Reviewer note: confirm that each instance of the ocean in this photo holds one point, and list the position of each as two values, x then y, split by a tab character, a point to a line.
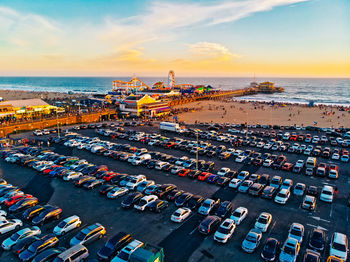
297	90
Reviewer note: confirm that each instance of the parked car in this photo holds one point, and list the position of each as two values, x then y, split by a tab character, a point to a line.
88	234
180	214
113	246
290	250
225	231
270	250
67	225
251	240
9	242
209	225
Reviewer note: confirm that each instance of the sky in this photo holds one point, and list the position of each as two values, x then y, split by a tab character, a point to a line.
278	38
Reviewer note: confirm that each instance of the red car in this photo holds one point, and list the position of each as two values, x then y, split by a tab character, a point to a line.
51	168
203	176
169	145
109	176
293	138
184	172
333	167
133	149
13	200
287	166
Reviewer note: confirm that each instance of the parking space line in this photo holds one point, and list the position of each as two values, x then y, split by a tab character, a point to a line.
331	211
194	230
319	227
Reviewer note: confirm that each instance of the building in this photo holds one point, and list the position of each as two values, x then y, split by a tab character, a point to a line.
25	107
138	105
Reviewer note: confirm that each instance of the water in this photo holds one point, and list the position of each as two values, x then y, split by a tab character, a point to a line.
297	90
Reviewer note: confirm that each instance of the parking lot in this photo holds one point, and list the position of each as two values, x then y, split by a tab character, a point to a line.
183	242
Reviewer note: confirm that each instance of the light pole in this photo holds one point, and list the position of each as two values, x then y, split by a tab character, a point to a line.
246	135
197	151
58	128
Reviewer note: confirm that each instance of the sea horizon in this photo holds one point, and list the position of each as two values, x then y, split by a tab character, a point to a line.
329	91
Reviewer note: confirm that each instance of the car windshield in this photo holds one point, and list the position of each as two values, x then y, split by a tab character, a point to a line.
295	232
143	202
177	214
251	238
61	224
206	205
281	195
262	220
339	247
327	193
236	214
80	236
32	248
110	245
289	250
123	255
223	230
15	236
269	247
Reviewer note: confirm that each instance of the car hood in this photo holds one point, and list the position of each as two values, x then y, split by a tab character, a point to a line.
337	253
105	252
7	242
284	257
248	244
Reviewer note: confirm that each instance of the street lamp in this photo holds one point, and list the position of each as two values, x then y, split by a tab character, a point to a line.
197	151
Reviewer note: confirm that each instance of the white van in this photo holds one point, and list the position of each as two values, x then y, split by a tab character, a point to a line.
138	159
311	162
327	194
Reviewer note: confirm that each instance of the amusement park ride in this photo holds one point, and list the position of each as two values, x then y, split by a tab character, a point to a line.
136	84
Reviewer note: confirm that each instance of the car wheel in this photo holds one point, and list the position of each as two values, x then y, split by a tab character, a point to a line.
63	233
100	236
17	227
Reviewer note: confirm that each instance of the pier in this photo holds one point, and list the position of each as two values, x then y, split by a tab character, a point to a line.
214	95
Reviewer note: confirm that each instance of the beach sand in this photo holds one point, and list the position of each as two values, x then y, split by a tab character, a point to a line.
238	112
19	94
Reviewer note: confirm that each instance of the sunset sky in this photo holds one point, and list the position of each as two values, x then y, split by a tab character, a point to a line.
291	38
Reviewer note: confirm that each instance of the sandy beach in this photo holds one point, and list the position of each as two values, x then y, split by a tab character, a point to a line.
47	96
254	113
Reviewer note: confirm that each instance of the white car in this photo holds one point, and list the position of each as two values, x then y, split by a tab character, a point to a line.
67	225
38	132
327	194
180	214
160	165
239	215
234	183
240	158
9	225
335	156
9	242
282	196
117	192
71	175
223	171
267	163
296	231
146	200
339	246
225	231
263	221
